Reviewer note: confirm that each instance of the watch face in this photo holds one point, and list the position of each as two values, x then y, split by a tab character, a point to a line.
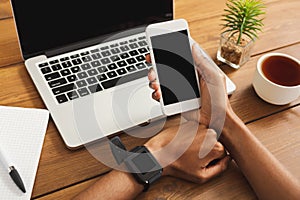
143	165
143	162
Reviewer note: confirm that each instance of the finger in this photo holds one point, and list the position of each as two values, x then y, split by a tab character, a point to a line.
216	169
205	151
156	95
148	58
218	152
151	75
204	63
154	85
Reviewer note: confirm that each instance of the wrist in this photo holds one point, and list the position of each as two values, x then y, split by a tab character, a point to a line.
154	150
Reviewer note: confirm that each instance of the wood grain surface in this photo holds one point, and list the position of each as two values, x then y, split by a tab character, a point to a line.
62	173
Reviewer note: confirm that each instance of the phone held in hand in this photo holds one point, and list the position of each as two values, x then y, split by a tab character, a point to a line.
173	63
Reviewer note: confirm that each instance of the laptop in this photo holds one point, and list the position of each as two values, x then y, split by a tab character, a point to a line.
86	60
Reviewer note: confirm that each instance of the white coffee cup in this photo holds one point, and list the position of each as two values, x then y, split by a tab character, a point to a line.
271	92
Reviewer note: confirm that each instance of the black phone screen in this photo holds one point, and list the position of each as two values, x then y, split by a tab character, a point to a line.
175	67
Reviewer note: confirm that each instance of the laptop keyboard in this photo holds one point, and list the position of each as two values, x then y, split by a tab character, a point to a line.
94	70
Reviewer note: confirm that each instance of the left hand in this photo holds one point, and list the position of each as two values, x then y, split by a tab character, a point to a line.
181	152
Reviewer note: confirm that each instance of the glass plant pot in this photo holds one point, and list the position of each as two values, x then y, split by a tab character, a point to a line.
235	55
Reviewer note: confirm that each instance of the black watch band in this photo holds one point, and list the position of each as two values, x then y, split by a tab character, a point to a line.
139	161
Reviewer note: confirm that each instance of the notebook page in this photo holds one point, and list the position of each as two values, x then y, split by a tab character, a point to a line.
22	133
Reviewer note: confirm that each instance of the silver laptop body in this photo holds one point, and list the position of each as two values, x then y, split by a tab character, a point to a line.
68	46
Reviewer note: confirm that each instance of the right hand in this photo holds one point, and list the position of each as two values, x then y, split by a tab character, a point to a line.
213	91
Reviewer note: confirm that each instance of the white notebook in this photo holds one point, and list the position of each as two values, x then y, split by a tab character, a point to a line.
22	133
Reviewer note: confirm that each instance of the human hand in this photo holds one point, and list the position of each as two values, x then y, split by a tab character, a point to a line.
178	150
214	99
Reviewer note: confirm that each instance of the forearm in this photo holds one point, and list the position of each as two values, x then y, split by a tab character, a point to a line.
268	178
115	185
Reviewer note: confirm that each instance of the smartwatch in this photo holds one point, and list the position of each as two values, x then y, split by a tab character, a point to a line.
139	161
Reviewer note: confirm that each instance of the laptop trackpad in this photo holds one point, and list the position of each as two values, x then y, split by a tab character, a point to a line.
126	107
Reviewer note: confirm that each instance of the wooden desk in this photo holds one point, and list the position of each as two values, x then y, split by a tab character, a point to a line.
63	173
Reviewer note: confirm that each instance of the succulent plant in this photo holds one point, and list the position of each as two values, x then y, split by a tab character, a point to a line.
243	17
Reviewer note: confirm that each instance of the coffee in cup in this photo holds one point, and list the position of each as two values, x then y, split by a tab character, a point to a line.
277	78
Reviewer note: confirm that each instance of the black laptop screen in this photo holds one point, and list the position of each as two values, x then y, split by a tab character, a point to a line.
48	24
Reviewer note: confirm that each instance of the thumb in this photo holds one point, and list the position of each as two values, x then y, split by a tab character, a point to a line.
218	168
208	143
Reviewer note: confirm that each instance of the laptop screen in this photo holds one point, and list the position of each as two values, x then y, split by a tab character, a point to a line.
44	25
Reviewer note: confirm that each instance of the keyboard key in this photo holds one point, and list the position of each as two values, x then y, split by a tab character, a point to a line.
105	53
81	83
46	70
133	40
112	66
114	45
52	76
63	89
102	69
85	53
124	48
86	66
91	80
143	50
111	74
56	67
92	72
96	63
82	75
95	50
72	78
124	55
101	77
140	58
86	59
76	61
124	79
75	69
133	46
96	56
75	56
134	53
131	61
95	88
115	58
105	61
65	72
72	95
131	68
53	62
57	82
104	48
66	64
115	51
124	42
64	59
121	63
142	38
121	71
83	92
61	98
141	66
43	64
142	43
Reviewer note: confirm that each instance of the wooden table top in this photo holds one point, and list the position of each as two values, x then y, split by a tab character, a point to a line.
63	173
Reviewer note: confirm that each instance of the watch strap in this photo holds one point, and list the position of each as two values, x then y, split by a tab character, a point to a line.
118	149
156	175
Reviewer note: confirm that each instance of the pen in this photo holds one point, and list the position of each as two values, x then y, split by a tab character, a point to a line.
12	170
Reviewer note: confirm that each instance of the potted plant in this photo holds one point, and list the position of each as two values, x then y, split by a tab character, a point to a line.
242	21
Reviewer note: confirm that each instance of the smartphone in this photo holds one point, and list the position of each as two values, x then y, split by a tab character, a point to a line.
171	56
